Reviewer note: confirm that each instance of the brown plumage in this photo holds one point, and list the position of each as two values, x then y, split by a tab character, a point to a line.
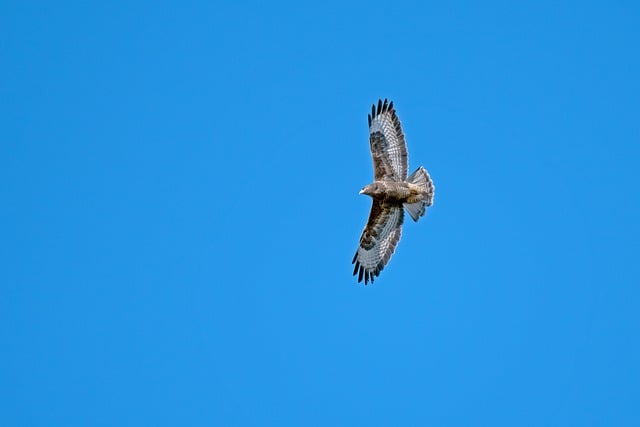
392	192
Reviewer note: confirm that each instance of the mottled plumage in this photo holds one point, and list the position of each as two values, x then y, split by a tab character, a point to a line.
392	192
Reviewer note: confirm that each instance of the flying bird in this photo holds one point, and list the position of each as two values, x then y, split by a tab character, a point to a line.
392	192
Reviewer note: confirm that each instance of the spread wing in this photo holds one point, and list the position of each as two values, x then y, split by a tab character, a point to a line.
388	148
378	241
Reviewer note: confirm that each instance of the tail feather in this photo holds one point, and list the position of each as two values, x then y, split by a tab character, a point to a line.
420	177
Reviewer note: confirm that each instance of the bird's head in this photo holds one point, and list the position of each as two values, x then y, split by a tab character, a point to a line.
370	189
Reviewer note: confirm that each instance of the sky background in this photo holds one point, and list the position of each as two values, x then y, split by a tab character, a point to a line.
179	210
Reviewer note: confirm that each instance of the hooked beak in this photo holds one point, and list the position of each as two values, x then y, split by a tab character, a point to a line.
361	191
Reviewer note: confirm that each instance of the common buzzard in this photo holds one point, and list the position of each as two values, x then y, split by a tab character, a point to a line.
391	190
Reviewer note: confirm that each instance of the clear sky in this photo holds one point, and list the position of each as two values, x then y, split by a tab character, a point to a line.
179	210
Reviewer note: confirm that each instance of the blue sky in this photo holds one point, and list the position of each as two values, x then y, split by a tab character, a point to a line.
180	208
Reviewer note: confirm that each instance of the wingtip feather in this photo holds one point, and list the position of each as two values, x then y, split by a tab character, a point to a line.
381	107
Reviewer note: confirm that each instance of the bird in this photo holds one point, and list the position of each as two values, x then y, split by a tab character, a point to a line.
392	193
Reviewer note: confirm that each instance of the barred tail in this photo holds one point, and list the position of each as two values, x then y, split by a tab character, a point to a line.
421	177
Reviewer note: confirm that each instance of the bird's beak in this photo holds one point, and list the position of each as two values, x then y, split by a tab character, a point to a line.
361	191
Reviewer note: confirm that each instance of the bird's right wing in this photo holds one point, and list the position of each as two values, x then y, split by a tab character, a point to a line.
388	147
378	241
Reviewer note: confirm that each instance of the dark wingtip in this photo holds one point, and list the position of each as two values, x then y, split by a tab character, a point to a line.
381	108
360	274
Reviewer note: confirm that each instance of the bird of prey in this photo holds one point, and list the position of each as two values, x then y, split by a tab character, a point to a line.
391	191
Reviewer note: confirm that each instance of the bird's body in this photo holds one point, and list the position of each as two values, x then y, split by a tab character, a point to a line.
397	192
392	192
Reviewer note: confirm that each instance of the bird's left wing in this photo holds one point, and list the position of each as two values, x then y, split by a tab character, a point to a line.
378	241
388	147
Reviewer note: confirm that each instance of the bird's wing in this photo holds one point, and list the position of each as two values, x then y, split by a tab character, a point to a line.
378	241
388	148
